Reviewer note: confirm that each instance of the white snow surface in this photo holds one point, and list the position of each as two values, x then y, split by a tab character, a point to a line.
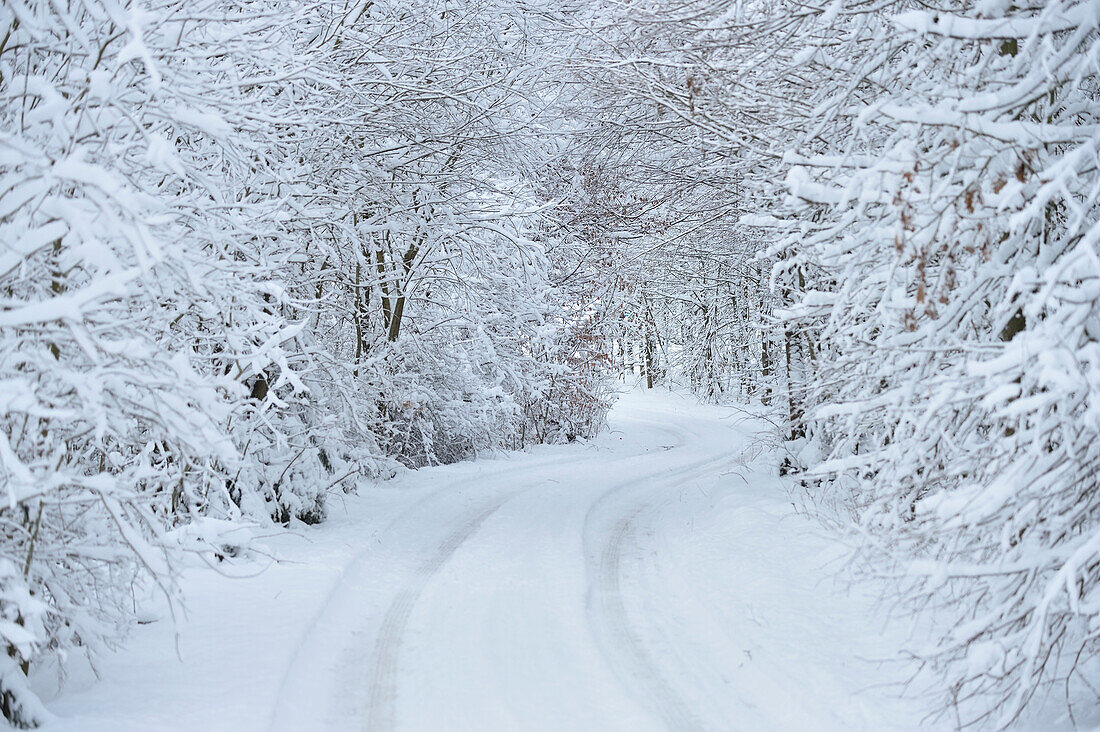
657	577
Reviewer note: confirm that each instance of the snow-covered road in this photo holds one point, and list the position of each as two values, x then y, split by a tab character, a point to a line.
656	578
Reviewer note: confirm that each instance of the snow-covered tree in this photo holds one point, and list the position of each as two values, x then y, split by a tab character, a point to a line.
956	227
125	245
251	251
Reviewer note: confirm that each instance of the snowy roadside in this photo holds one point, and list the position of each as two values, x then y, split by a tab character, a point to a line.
235	638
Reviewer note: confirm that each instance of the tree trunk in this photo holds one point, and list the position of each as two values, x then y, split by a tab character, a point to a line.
648	361
399	304
796	412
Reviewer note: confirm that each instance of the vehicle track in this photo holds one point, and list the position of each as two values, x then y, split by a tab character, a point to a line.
381	707
383	672
627	653
383	683
356	566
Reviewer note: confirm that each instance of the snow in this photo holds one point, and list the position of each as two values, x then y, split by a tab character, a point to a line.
657	576
1053	20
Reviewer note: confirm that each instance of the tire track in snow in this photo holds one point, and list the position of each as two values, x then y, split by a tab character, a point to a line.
383	685
352	572
629	656
315	646
381	708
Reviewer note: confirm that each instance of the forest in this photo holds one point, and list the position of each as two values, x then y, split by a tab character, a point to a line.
257	253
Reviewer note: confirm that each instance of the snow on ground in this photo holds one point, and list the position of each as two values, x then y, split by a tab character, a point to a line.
657	577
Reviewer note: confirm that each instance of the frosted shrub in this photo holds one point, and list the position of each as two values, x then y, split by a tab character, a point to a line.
957	390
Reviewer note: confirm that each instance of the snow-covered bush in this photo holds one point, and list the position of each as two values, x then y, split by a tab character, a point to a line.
111	414
955	229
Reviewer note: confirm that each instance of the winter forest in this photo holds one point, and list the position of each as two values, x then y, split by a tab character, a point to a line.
260	256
